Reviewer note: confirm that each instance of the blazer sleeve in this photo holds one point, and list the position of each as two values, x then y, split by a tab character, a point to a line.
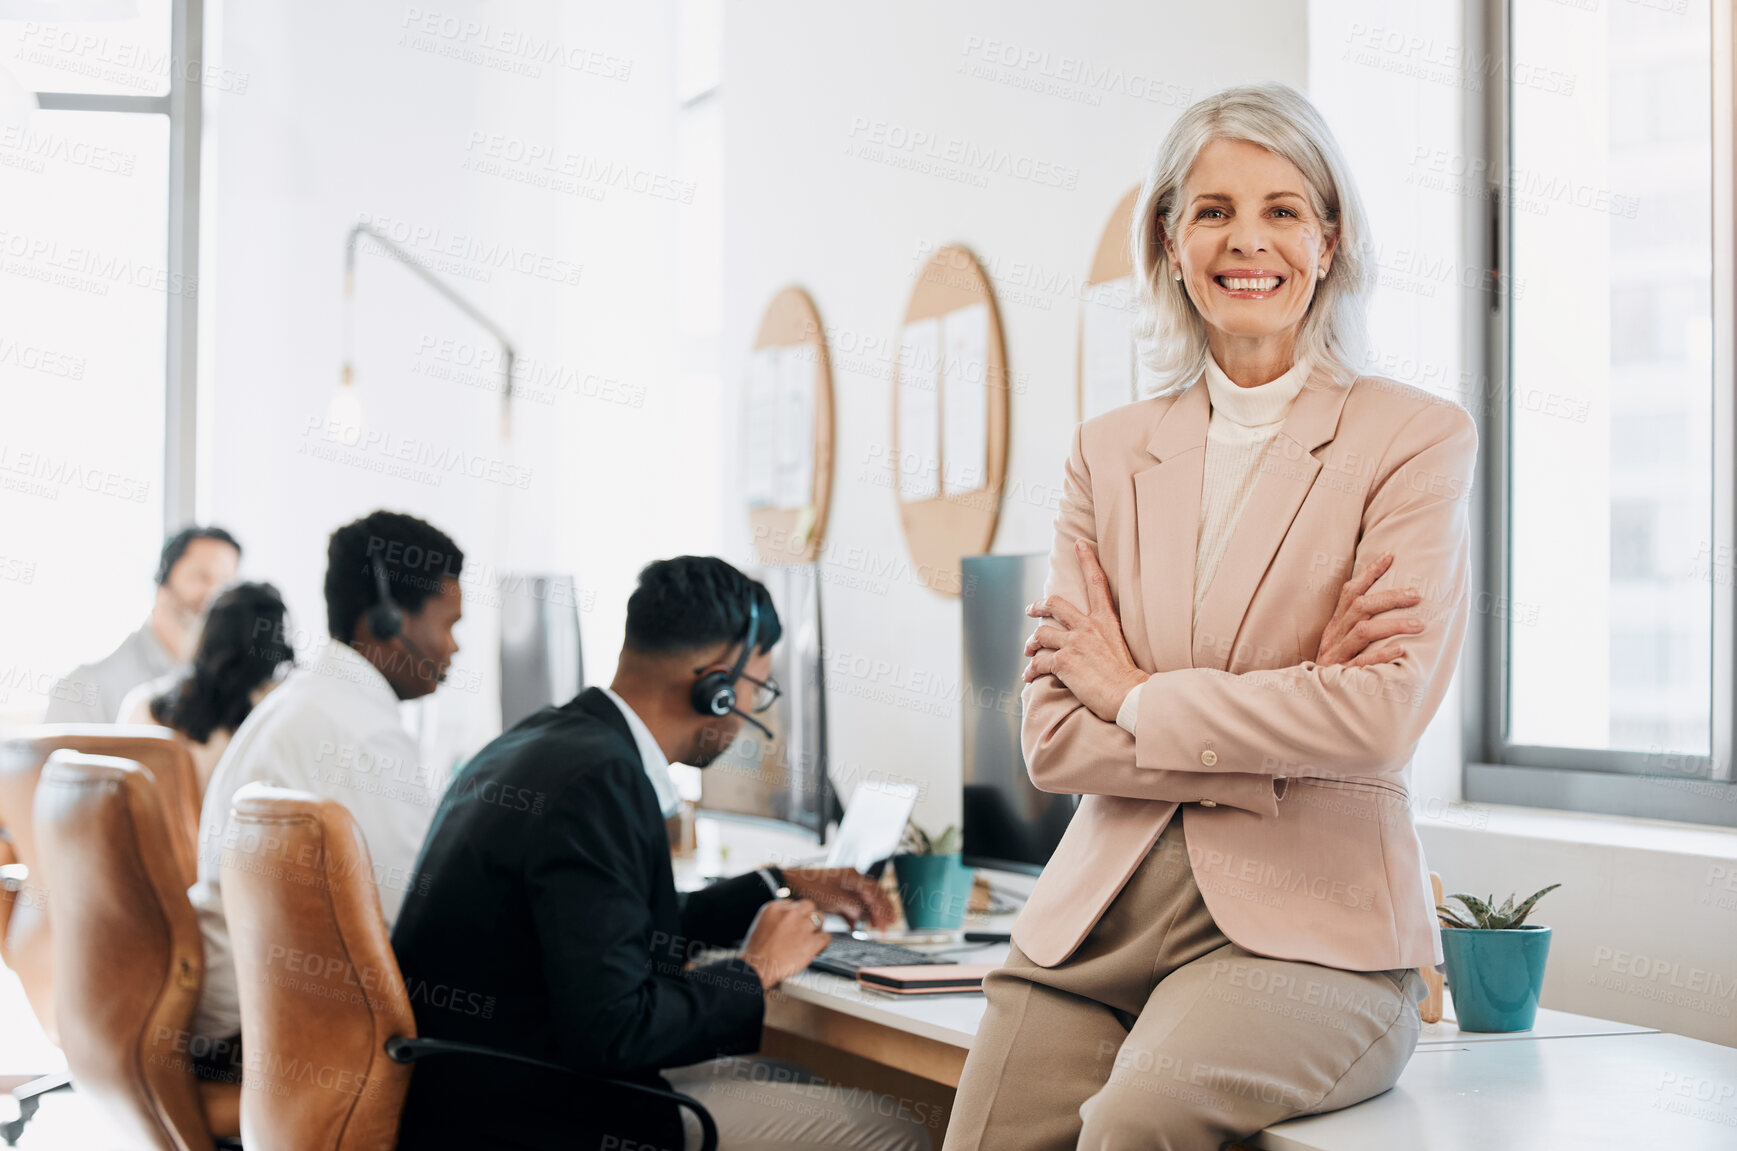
1335	722
1070	750
720	914
622	1001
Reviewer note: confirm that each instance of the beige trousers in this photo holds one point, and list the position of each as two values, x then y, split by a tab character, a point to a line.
1161	1033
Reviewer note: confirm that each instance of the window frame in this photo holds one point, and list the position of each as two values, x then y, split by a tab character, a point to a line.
182	104
1690	789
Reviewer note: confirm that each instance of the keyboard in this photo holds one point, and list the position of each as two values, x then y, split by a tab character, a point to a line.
846	955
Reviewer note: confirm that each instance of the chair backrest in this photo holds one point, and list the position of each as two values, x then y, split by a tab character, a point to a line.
24	917
320	988
128	958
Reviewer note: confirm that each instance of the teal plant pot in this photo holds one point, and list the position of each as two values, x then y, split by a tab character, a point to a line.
935	890
1496	976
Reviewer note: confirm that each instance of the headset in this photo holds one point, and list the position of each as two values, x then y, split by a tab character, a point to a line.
714	693
386	618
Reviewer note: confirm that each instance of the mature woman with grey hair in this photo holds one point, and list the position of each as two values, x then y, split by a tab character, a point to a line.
1256	600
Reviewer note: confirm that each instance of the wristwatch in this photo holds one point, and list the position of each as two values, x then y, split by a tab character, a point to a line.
774	877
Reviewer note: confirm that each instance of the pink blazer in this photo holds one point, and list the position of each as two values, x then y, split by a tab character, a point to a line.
1292	776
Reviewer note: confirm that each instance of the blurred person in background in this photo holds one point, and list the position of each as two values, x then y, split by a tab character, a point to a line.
196	562
244	651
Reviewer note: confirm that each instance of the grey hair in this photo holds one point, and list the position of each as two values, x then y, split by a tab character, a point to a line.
1170	330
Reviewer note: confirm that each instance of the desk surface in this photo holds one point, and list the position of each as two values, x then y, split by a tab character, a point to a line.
1628	1091
953	1019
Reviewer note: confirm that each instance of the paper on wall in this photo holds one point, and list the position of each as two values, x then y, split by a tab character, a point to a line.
794	486
760	428
919	412
965	399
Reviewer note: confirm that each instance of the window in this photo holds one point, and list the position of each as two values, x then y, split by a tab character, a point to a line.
98	284
1610	683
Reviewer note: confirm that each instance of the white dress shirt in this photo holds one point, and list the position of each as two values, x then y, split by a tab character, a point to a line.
669	801
1244	422
334	729
92	692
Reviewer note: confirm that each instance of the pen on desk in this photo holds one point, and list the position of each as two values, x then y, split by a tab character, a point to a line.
988	937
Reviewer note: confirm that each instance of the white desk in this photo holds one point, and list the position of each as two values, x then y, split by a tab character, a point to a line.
924	1035
1549	1025
1572	1081
802	1005
1632	1092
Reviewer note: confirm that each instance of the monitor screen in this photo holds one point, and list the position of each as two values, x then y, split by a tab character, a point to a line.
540	660
1009	823
782	778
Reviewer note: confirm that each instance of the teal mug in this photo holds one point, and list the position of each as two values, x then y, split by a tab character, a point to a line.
1496	976
935	890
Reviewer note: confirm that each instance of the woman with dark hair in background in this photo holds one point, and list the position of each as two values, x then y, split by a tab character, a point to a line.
243	649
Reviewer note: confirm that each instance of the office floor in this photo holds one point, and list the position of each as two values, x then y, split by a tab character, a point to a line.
65	1122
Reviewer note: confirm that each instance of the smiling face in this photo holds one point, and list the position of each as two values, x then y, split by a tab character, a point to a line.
1250	246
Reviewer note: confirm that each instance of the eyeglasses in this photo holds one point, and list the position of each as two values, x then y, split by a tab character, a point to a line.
766	693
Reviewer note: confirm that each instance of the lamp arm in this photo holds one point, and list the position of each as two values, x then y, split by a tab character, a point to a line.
403	255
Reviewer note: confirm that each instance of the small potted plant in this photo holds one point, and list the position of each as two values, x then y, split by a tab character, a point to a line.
1495	961
934	883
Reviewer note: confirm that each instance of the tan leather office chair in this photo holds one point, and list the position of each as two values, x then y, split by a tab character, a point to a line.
325	1019
128	959
24	917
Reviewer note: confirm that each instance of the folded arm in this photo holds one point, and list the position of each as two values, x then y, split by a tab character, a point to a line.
1343	721
1070	750
1196	731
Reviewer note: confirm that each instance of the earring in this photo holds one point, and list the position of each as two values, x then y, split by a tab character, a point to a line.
1323	273
1176	275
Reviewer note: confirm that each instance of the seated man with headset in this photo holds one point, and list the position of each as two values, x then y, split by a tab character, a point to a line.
333	728
545	921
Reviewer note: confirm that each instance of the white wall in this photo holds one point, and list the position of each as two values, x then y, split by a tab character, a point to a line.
807	88
510	149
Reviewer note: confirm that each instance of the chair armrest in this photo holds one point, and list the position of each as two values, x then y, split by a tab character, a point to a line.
409	1049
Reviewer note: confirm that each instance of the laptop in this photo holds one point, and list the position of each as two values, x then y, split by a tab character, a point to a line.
868	836
872	826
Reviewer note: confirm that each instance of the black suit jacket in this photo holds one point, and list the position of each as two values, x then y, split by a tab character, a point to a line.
544	920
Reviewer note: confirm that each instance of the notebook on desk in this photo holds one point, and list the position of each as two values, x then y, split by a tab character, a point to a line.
926	978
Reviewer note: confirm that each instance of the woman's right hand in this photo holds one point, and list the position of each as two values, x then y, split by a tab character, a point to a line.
1352	634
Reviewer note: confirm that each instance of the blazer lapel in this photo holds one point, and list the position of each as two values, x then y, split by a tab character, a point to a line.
1167	523
1287	473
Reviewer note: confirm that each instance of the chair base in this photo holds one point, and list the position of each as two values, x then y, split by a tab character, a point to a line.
29	1098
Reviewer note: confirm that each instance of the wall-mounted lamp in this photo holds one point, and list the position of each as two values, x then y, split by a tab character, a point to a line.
346	408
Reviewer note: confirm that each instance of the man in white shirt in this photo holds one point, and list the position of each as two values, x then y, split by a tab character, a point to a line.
333	728
196	563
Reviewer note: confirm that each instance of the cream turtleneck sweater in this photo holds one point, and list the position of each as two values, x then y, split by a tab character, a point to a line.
1243	423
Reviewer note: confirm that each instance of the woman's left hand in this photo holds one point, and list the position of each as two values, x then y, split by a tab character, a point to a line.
1084	649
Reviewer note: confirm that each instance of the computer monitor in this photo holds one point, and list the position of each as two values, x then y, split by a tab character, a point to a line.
784	778
540	659
1009	823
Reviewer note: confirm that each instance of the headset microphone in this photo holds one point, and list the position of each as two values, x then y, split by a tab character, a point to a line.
715	692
